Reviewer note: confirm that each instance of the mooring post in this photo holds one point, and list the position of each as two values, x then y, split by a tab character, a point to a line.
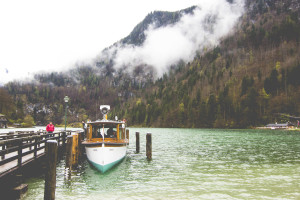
64	139
75	151
137	142
69	152
149	146
50	174
127	135
80	138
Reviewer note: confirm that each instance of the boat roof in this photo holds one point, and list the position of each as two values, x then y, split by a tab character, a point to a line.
279	125
103	121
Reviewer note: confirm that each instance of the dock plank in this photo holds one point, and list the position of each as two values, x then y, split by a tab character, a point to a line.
12	164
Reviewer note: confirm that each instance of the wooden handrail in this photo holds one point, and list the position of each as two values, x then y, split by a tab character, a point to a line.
32	142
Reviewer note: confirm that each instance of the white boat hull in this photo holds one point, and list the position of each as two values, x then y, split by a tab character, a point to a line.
104	158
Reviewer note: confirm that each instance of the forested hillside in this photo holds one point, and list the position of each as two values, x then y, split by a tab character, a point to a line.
249	79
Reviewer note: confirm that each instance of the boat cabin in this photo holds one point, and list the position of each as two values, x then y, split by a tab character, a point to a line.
287	125
106	130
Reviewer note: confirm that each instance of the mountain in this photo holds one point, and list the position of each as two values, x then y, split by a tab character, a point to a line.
159	19
88	85
248	78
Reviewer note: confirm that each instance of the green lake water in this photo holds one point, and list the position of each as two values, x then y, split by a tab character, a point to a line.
191	164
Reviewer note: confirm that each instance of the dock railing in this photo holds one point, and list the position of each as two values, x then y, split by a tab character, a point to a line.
18	149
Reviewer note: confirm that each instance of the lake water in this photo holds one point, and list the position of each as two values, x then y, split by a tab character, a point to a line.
191	164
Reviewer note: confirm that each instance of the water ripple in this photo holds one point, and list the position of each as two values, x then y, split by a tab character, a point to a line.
192	164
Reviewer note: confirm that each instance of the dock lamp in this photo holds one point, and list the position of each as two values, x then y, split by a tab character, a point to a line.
66	99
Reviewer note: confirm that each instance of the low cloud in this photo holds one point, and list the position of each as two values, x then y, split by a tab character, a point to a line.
165	46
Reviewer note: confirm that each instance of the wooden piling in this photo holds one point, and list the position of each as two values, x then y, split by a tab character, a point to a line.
80	149
64	134
149	146
127	135
50	174
123	134
69	152
75	151
137	142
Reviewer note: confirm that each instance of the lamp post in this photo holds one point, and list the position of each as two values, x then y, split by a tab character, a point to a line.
66	99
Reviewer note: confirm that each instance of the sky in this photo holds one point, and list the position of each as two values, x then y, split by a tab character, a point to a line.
43	36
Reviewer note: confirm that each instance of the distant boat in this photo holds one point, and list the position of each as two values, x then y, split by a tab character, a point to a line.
106	142
287	125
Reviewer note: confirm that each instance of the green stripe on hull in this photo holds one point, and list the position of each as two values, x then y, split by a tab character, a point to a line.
104	168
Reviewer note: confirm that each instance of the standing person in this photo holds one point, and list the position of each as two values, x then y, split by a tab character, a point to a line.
84	126
50	128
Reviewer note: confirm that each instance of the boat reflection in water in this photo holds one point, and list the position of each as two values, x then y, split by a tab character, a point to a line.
106	142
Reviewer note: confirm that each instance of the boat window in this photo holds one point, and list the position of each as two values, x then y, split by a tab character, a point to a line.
108	130
96	132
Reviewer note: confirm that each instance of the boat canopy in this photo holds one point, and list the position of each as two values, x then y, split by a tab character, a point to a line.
106	122
104	129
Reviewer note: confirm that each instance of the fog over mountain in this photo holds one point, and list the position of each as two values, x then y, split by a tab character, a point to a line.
166	45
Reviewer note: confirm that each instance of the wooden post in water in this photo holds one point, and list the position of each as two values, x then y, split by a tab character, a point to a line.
69	152
149	146
80	150
50	174
64	139
127	135
75	151
137	142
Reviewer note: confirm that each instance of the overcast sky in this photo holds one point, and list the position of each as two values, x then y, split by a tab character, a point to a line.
38	35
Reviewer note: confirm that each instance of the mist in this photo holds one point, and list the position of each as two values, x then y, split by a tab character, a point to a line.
165	46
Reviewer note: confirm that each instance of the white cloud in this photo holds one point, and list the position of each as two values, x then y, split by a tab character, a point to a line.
167	45
54	35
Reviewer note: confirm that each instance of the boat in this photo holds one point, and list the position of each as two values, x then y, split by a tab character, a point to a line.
106	141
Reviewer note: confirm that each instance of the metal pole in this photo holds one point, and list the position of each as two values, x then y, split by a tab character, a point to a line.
66	99
66	117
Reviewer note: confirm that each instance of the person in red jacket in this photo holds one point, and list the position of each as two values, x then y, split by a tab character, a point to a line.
50	128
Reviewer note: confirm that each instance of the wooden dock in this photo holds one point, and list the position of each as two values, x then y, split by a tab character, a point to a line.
22	154
21	148
26	153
